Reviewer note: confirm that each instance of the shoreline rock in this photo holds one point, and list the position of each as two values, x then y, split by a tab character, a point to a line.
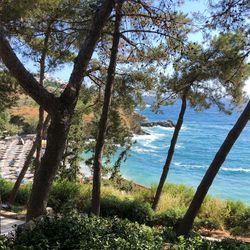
166	124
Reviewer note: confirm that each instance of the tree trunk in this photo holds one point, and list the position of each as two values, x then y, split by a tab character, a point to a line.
188	219
96	191
20	177
41	110
56	138
27	162
170	152
39	137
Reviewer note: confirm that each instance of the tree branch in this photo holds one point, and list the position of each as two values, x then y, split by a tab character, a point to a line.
25	78
70	93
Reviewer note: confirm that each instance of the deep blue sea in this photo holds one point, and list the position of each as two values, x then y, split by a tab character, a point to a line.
200	138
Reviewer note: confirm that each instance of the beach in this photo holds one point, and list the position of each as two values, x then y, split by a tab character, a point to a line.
13	152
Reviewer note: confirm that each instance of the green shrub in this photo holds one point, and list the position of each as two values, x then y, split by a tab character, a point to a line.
193	243
213	213
198	243
206	223
22	195
4	243
26	124
235	207
168	218
64	194
134	205
5	189
238	220
83	232
186	192
231	244
169	234
133	210
121	184
144	194
240	224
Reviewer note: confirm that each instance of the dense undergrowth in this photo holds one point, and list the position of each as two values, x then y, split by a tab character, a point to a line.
133	202
79	231
128	203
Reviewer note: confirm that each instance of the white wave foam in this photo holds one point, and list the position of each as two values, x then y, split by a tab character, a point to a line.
146	142
183	128
164	128
179	164
151	137
142	150
245	170
179	146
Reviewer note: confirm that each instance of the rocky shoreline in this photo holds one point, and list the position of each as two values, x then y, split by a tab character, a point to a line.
166	124
138	122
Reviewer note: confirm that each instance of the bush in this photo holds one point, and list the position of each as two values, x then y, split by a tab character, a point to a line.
240	224
5	189
121	184
169	218
135	206
132	210
198	243
173	197
83	232
144	194
64	194
22	195
213	213
193	243
238	220
26	124
206	223
230	244
4	243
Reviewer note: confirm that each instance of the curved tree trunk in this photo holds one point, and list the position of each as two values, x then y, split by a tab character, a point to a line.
27	162
20	177
56	138
39	137
96	191
170	151
41	110
188	219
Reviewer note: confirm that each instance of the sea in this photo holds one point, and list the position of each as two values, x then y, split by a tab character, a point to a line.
200	138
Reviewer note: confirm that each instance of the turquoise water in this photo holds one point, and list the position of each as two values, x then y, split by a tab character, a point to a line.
199	140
